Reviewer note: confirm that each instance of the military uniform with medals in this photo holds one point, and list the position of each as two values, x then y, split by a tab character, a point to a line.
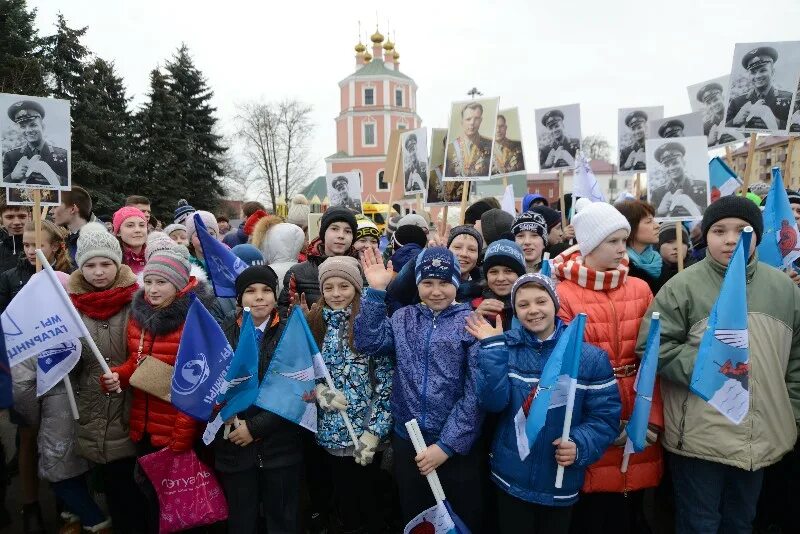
570	144
467	159
54	157
507	157
776	100
694	189
633	118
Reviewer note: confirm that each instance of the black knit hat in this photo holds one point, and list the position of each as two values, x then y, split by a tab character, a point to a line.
551	216
465	229
410	233
474	212
734	206
337	214
794	196
257	274
531	221
496	224
667	233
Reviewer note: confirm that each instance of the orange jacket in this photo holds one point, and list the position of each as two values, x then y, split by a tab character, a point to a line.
613	318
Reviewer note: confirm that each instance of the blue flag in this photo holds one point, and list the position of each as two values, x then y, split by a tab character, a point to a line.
645	381
204	356
438	519
779	243
559	375
288	386
723	180
6	390
722	367
223	266
242	376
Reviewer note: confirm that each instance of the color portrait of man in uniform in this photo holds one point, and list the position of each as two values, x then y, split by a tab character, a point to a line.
508	156
439	191
681	195
561	150
763	107
35	162
632	157
470	153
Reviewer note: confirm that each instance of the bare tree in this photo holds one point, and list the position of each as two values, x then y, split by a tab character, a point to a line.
596	147
275	138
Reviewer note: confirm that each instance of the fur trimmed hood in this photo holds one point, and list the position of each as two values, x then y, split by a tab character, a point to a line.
161	321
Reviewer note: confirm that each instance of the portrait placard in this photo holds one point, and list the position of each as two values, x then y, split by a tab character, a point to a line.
508	157
468	154
631	135
709	98
344	190
440	192
414	146
558	136
677	178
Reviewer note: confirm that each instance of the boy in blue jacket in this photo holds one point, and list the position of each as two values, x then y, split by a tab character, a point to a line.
433	382
509	367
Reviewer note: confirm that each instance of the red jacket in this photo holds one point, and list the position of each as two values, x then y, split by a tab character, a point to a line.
614	313
161	420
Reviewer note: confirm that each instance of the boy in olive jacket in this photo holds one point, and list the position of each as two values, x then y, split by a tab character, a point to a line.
717	466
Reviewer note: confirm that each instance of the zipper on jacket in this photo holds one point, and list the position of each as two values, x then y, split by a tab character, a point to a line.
424	411
683	421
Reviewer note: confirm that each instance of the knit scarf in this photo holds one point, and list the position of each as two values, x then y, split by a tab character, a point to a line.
569	266
649	261
102	305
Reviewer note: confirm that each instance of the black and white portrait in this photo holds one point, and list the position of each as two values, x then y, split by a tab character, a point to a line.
794	118
344	190
677	177
441	192
632	132
36	142
688	125
708	98
508	154
19	196
558	135
470	134
762	83
414	145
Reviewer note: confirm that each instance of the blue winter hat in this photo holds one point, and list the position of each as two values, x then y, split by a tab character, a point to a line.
537	278
182	211
437	262
504	252
248	254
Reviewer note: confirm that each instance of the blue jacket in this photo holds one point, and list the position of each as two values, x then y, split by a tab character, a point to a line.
435	367
237	237
510	365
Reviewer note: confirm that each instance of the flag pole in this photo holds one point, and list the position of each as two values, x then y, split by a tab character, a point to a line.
62	293
748	168
37	225
573	384
347	422
464	199
71	396
418	442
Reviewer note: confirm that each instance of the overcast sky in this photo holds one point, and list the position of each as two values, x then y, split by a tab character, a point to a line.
604	55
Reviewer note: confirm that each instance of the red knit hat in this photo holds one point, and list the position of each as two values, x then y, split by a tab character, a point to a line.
126	212
250	223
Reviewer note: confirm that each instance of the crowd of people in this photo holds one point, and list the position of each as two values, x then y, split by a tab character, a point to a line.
448	326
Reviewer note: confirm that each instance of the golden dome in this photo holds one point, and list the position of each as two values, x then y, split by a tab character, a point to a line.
388	45
360	47
376	37
396	55
367	57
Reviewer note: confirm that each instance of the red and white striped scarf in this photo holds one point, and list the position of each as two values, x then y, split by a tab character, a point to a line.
569	266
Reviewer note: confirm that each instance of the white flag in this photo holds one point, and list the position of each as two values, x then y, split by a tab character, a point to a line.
585	183
507	202
38	318
55	363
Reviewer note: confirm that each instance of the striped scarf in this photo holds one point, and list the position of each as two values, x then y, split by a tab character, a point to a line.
569	266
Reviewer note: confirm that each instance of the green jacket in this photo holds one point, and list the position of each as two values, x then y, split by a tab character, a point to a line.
692	426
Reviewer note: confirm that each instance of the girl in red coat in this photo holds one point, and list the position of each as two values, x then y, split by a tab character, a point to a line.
594	280
158	314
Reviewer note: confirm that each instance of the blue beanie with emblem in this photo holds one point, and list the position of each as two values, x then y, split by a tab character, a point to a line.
504	252
437	262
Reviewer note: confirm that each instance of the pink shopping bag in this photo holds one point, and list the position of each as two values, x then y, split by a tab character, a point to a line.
188	493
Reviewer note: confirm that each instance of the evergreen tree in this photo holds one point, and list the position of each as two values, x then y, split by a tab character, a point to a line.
199	160
64	60
101	136
20	67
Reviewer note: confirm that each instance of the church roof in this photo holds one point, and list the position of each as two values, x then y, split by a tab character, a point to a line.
316	187
376	67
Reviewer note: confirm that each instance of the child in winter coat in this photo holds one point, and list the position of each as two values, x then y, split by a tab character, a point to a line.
158	314
362	389
130	225
280	247
530	233
717	467
367	235
177	232
433	382
645	260
503	264
593	279
510	365
102	290
260	462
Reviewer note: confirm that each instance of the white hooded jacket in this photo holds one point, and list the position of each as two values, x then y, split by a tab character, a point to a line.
280	247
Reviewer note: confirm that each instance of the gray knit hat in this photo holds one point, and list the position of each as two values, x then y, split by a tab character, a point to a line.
93	241
171	264
157	242
174	227
343	266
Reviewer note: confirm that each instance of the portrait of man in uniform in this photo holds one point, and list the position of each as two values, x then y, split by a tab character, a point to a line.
32	158
687	125
763	78
441	192
508	156
344	190
469	152
415	160
558	135
708	98
679	182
